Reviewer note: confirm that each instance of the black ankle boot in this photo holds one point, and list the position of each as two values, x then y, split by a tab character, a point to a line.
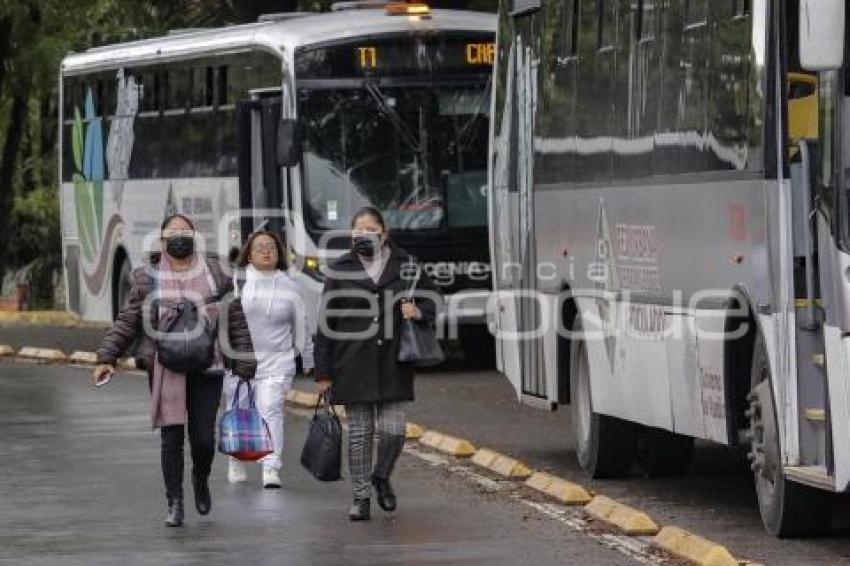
203	499
175	515
384	493
359	510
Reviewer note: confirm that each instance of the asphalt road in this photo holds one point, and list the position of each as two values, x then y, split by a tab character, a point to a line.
80	484
715	500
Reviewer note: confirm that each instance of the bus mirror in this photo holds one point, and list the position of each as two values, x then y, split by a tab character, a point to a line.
288	143
821	34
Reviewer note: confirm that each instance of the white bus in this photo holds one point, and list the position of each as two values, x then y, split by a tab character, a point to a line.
663	180
298	119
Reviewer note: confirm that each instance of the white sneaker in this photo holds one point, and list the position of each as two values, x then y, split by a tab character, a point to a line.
271	478
236	472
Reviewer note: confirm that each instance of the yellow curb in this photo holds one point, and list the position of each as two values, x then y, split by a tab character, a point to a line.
45	354
302	398
693	548
564	491
413	431
6	351
500	464
49	318
83	358
127	363
448	444
629	520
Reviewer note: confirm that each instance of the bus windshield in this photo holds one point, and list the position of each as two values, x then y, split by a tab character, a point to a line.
417	153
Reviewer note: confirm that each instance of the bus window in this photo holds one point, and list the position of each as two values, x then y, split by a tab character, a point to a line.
606	23
202	87
178	89
221	92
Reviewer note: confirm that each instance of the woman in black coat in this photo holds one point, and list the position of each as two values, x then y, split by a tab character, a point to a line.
363	306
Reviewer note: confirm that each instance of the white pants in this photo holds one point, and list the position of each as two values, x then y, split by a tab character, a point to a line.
270	395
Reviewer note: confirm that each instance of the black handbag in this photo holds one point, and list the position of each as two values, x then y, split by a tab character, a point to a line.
187	342
322	453
418	344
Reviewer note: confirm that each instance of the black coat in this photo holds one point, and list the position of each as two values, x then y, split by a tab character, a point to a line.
366	368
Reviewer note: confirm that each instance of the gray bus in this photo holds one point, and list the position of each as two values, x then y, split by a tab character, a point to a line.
294	121
669	234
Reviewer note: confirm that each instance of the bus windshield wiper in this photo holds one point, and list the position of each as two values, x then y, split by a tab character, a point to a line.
396	120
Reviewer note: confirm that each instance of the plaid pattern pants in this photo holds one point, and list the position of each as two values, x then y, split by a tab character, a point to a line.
365	420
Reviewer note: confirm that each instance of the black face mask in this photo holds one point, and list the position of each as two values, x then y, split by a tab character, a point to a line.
364	245
180	247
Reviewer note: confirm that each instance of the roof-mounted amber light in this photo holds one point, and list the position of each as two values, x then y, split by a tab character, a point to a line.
405	9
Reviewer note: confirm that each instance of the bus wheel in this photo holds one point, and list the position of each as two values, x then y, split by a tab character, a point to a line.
123	284
662	453
788	509
605	446
479	346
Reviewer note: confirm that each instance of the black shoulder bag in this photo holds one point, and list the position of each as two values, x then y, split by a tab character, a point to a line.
187	343
418	340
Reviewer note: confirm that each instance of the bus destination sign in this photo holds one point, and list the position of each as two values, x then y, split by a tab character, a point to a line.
402	56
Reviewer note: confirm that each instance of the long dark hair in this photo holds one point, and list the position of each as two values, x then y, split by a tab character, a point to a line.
245	255
374	213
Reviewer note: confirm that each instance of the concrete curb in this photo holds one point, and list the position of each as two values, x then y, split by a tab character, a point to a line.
6	351
303	399
501	464
79	357
42	354
693	548
448	444
413	431
309	400
564	491
36	318
630	521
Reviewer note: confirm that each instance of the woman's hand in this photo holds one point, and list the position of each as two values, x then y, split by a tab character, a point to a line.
409	311
324	386
103	373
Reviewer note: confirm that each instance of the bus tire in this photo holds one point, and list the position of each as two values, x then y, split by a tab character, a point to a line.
123	284
605	446
661	453
478	345
788	509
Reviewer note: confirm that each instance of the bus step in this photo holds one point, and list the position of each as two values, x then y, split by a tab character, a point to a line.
814	476
815	415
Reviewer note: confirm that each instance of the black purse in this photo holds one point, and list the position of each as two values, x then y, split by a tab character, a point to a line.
322	453
187	343
418	344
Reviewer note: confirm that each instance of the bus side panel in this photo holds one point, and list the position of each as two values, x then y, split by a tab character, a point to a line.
685	386
709	329
838	362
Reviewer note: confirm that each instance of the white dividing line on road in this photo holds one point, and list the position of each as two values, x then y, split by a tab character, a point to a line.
636	548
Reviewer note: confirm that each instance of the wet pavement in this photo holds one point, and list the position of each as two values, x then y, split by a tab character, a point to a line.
80	484
715	500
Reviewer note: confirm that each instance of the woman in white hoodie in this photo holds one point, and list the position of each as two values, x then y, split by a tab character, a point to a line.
277	318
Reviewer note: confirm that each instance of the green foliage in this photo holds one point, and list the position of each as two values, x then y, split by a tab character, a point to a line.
35	224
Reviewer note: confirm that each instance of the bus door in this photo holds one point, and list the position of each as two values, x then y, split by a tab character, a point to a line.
518	315
262	186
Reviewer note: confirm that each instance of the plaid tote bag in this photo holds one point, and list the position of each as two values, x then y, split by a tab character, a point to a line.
242	432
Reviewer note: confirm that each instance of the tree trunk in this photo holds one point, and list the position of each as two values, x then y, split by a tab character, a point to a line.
5	46
8	167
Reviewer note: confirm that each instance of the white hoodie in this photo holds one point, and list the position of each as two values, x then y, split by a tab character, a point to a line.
277	318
